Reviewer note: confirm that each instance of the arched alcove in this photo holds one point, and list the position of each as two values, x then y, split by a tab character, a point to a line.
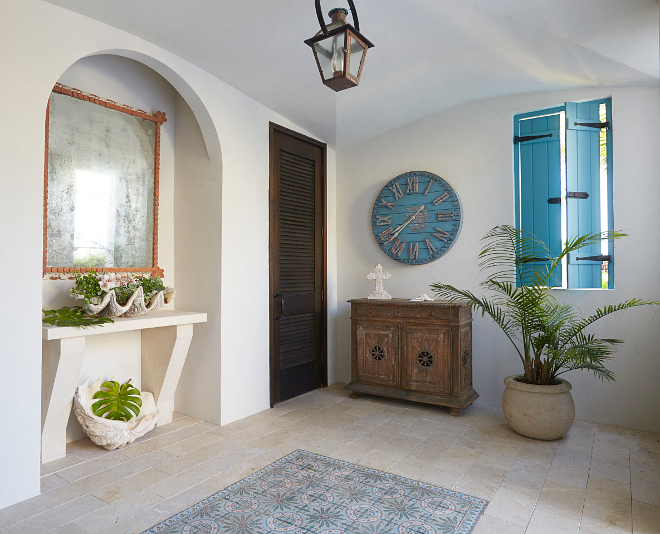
189	223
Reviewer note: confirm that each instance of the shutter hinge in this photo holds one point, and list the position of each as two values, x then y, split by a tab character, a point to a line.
606	258
518	139
570	194
598	125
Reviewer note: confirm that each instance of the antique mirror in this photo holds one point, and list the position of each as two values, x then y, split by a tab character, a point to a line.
100	186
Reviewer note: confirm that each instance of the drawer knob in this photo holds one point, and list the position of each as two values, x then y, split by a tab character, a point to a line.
370	312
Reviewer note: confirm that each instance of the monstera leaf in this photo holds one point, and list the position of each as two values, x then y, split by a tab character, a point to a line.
117	402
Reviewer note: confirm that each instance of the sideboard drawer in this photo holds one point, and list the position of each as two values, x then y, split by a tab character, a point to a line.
404	312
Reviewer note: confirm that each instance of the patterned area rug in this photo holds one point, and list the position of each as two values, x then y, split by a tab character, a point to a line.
304	493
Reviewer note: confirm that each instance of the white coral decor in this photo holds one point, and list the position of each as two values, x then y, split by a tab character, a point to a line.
107	432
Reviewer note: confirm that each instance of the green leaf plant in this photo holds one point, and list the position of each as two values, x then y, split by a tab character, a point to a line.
75	316
549	337
116	402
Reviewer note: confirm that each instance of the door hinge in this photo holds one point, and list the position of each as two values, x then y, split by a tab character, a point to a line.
518	139
570	194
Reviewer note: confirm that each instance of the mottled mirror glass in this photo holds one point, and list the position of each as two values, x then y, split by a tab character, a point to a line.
100	205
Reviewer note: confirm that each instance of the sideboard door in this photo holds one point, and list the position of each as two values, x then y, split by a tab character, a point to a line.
377	353
427	353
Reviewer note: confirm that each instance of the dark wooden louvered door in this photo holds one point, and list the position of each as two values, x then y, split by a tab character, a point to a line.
297	264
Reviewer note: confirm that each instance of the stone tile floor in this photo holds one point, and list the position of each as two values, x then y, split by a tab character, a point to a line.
599	479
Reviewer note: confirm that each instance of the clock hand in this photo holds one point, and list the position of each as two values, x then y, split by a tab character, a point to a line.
400	228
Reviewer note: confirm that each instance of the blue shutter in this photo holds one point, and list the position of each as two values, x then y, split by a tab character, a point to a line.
583	176
538	172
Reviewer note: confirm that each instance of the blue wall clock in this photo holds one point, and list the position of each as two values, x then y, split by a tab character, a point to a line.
416	218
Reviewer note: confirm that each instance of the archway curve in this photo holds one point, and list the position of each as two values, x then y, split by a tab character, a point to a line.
191	97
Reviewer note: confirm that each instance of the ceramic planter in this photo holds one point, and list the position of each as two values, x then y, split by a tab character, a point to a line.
538	412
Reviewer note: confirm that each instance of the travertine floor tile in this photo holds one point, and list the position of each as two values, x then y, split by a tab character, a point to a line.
56	517
192	443
21	511
610	495
560	499
645	489
168	487
525	474
169	507
51	482
60	463
585	480
231	458
102	518
543	522
69	528
646	518
599	521
481	480
86	469
78	488
512	504
444	476
130	485
492	525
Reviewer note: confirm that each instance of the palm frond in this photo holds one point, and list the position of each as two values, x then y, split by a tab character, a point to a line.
548	336
580	325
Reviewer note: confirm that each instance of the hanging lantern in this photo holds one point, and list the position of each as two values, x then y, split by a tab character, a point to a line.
339	48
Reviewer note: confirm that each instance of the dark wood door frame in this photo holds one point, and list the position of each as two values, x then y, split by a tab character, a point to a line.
274	355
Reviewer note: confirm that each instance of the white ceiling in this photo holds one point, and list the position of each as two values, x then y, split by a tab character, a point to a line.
430	55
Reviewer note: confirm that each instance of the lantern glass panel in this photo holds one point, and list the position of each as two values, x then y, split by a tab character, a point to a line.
357	51
330	53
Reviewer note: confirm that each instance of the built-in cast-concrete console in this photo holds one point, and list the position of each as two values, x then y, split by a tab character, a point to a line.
166	337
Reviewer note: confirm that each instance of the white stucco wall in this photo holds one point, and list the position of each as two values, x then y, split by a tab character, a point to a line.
39	42
470	146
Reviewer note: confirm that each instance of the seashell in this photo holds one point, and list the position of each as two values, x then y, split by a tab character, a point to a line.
109	307
108	433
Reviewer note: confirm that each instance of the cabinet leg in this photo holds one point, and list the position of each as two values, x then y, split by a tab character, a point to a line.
355	395
454	411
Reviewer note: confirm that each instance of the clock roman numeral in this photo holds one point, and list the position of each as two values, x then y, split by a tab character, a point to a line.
397	247
383	220
412	185
414	252
442	197
431	248
429	187
445	215
385	236
441	234
397	191
383	202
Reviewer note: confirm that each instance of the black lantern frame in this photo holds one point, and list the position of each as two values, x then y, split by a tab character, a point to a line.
348	37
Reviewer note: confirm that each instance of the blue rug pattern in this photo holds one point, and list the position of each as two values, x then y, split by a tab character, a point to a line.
304	493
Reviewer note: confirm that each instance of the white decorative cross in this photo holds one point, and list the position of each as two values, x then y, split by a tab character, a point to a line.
379	276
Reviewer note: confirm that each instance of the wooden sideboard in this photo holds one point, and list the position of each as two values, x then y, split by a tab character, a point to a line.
420	351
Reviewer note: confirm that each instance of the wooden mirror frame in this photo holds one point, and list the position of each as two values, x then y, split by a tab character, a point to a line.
58	273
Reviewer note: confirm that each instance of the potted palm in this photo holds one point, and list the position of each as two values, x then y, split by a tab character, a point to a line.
549	337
